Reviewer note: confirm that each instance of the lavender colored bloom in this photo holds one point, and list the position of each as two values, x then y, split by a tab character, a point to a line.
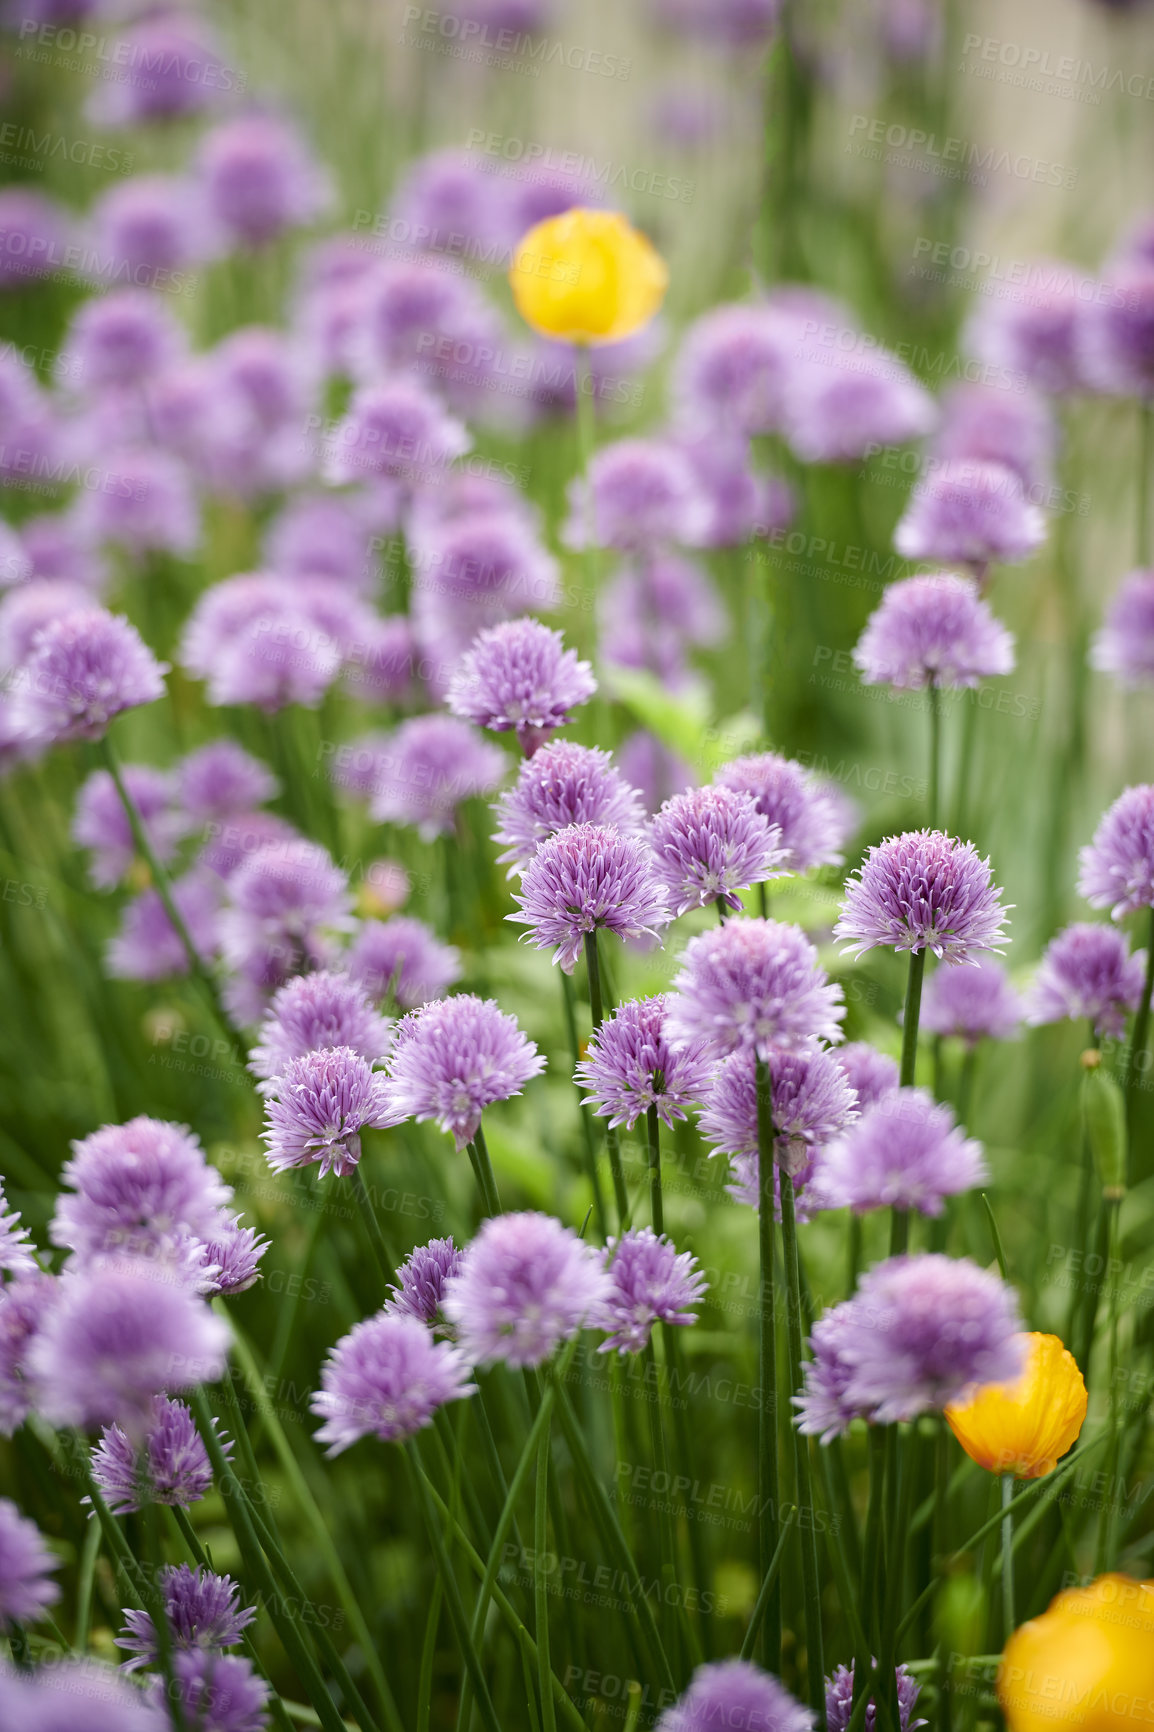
203	1611
972	513
401	961
743	503
1036	334
57	548
810	823
259	179
933	630
988	424
314	1011
220	1692
650	1282
147	946
387	1377
119	341
25	1302
388	664
584	879
918	1333
839	1702
753	986
222	780
230	844
838	413
232	1256
286	901
736	1694
1088	973
526	1284
709	843
454	1057
420	1284
651	612
151	508
1124	646
640	493
25	1566
16	1253
323	535
84	669
519	676
169	1464
33	236
16	563
449	200
115	1338
169	68
871	1074
75	1693
473	570
975	1002
904	1152
1116	333
562	785
1116	870
734	368
148	231
811	1101
923	891
630	1066
431	764
101	824
657	772
317	1107
396	428
414	314
258	639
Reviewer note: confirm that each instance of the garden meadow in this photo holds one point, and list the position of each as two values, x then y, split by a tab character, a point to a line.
577	843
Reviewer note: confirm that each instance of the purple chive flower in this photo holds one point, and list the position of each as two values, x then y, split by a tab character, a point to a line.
839	1702
16	1257
25	611
138	1186
286	902
72	1693
232	1255
1037	334
933	630
33	236
169	1464
220	1692
733	370
870	1074
904	1152
735	1693
970	513
918	1332
397	429
562	785
313	1011
742	502
420	1284
988	424
650	1282
101	823
323	535
25	1303
116	1336
84	669
222	780
401	961
1116	333
630	1065
923	891
1116	870
473	570
449	200
640	493
149	506
454	1057
709	843
1124	646
169	67
387	1377
203	1611
526	1284
25	1565
1088	973
520	676
811	823
654	610
317	1108
428	767
147	946
838	413
57	548
975	1002
752	986
812	1103
119	341
148	231
589	878
259	639
259	179
388	666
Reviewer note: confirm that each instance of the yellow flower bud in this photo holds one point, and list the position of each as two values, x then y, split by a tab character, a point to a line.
587	277
1088	1661
1025	1427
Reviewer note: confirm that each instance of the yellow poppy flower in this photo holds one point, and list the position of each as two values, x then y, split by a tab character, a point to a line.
1024	1428
587	276
1087	1662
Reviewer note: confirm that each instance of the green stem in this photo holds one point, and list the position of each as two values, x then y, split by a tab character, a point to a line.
657	1210
1112	1206
158	1611
767	1478
483	1168
384	1262
88	1557
1007	1557
810	1576
770	1578
911	1018
540	1579
612	1141
935	779
586	1116
1139	1037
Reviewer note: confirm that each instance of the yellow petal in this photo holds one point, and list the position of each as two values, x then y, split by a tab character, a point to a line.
1024	1428
1087	1662
587	276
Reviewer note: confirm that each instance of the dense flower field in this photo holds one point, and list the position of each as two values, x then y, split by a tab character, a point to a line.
577	932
